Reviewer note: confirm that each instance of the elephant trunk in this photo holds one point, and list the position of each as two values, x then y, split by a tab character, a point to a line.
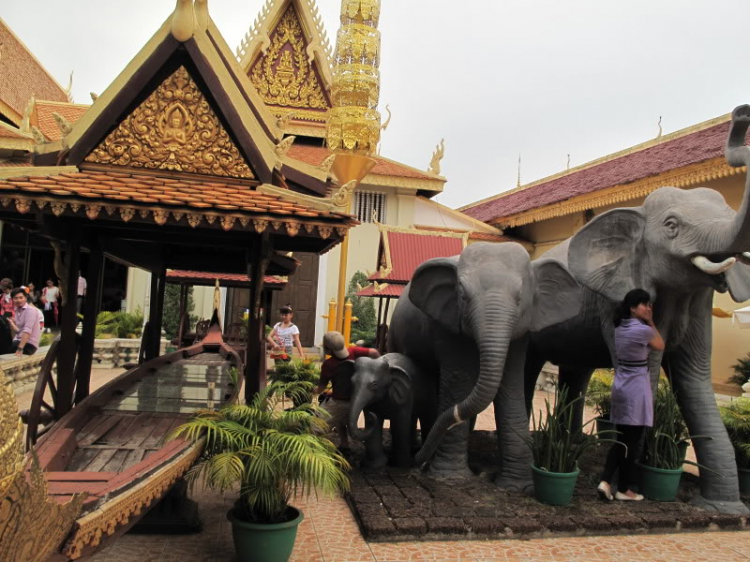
736	239
357	407
492	328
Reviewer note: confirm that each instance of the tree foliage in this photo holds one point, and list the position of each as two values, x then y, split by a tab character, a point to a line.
364	309
171	318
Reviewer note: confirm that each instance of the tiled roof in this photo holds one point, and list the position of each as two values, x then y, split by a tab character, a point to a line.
389	290
8	131
405	251
233	277
315	155
22	75
473	235
15	162
150	190
668	155
43	119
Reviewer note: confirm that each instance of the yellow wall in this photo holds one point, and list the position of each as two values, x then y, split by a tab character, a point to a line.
729	343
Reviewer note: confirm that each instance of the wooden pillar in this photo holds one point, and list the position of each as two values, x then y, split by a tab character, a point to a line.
183	314
257	261
66	358
158	309
90	313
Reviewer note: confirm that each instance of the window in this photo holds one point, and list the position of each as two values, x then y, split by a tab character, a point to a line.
369	206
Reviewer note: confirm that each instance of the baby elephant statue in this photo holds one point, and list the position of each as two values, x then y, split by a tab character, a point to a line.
390	388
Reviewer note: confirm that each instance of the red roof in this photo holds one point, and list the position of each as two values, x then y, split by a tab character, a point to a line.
8	131
43	119
22	75
206	195
403	252
315	155
232	277
669	155
391	290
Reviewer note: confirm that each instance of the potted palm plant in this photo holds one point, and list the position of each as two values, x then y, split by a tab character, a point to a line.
599	397
736	416
556	448
665	448
270	455
304	372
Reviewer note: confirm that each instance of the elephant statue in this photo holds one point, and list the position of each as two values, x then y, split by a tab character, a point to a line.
464	321
680	246
393	388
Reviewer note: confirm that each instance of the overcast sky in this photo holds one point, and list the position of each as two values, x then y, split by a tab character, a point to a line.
495	78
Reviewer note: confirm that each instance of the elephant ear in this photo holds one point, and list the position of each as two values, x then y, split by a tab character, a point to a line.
345	369
399	391
434	291
557	296
604	255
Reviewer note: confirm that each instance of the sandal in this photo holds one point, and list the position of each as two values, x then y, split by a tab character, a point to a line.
605	491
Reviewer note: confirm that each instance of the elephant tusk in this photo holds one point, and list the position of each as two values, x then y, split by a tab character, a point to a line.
744	257
707	266
456	417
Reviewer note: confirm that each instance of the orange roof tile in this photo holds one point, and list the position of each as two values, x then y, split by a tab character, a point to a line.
177	274
42	116
22	75
16	161
391	290
315	155
12	133
101	186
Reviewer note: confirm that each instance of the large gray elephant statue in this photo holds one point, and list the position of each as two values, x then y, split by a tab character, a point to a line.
464	321
680	246
391	387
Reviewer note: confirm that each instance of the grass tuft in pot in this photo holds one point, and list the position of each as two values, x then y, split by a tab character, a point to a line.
736	417
599	392
268	454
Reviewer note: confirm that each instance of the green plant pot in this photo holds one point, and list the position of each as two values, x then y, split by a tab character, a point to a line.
554	488
603	424
660	484
266	542
744	476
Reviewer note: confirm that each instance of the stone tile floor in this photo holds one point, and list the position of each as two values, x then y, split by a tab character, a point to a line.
329	533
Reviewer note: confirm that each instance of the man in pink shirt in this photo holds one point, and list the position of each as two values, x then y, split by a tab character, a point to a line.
26	325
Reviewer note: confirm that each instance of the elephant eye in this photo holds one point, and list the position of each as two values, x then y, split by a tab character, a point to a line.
671	225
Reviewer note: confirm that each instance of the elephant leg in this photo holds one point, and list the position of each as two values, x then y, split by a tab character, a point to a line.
375	457
689	368
451	457
512	423
576	379
402	432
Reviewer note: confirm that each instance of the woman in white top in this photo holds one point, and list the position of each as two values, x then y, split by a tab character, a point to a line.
285	334
50	297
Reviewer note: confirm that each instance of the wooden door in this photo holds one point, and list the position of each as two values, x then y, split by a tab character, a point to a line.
301	293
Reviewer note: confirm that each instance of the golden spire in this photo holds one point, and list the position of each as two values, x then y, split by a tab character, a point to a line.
354	121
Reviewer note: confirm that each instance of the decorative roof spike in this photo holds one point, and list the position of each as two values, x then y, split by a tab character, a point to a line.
69	89
62	123
518	182
94	96
660	129
437	156
354	121
183	20
39	137
26	120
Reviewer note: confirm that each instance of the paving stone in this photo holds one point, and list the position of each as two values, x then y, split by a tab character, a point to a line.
415	526
445	525
484	525
559	524
523	525
697	521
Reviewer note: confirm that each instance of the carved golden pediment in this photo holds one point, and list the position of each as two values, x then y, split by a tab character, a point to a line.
284	74
175	129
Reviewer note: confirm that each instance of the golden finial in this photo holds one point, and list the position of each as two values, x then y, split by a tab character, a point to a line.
518	181
354	121
183	20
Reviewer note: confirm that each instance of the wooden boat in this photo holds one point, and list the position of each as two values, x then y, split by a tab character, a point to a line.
113	445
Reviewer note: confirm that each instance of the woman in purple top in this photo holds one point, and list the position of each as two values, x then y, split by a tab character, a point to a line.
632	402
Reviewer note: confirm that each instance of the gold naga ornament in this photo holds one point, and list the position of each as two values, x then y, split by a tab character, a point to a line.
354	121
284	75
31	526
174	129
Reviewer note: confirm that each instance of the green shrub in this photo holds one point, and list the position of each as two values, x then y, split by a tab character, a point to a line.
363	308
119	325
736	417
305	373
171	317
741	371
599	392
269	454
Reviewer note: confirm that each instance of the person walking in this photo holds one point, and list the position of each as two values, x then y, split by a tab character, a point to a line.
632	400
49	299
25	325
81	295
285	335
33	294
338	401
